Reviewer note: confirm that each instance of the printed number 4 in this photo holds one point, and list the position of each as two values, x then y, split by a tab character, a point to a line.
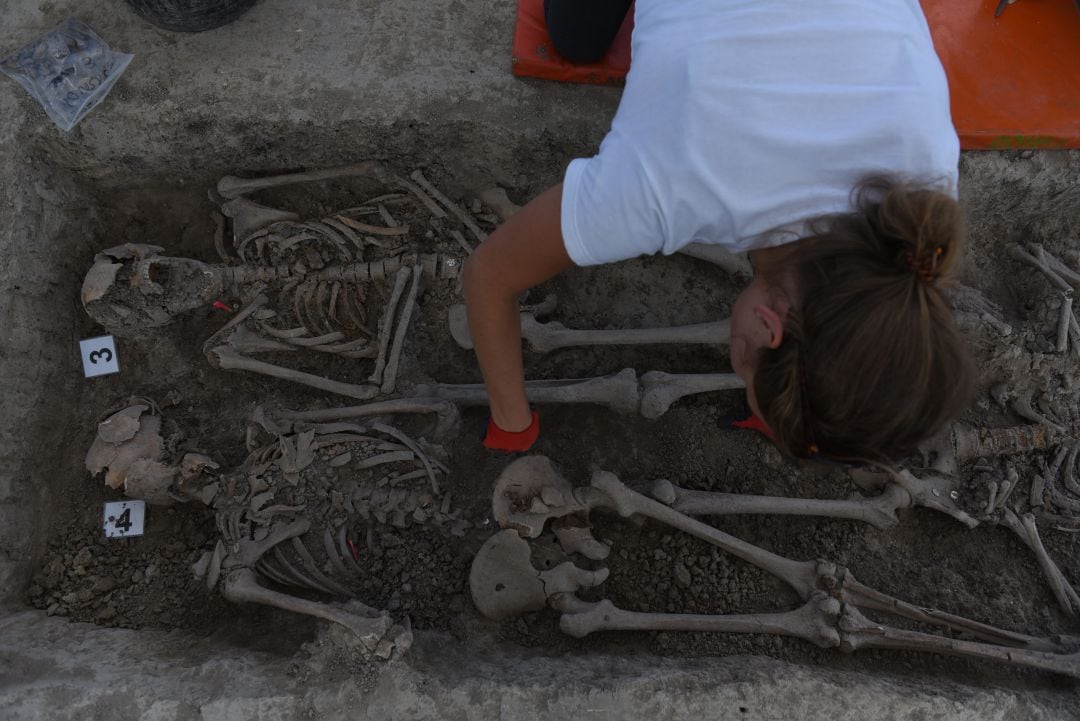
123	523
104	354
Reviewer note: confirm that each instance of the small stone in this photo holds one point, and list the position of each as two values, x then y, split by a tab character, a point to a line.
107	613
104	584
52	609
83	557
682	575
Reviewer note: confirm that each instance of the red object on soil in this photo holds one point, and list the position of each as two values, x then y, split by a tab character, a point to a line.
1014	80
221	306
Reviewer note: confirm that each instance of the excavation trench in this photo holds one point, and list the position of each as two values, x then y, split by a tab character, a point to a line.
123	625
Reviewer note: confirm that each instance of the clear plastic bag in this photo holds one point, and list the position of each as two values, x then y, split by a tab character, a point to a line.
69	70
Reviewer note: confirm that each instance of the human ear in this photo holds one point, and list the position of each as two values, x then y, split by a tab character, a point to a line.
771	323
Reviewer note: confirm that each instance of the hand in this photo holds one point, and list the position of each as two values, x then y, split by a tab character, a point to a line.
499	440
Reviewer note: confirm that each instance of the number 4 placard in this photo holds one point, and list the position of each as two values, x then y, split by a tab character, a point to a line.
124	518
99	356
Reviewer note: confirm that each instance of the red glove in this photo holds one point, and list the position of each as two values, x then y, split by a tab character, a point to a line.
499	440
755	423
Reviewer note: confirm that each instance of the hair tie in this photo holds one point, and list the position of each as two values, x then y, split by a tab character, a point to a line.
925	267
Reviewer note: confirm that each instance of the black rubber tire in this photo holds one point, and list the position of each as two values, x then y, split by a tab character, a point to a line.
190	16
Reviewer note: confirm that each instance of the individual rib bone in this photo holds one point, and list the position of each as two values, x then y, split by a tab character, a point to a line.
386	325
1026	530
449	419
390	377
461	215
879	511
231	186
550	336
1039	261
1022	406
661	390
504	583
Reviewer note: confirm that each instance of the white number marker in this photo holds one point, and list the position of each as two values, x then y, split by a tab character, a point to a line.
99	356
124	518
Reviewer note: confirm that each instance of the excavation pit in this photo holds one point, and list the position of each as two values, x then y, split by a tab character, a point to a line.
132	633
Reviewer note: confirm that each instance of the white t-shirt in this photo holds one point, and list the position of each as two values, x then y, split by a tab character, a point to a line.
741	117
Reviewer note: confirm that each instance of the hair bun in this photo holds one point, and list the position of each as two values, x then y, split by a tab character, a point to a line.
921	230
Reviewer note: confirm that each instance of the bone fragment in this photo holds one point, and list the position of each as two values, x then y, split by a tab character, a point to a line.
1018	252
879	511
213	571
248	216
970	442
99	279
373	229
1025	529
1038	485
150	481
242	586
460	239
231	360
736	264
390	376
618	392
231	186
991	502
454	208
660	390
145	444
496	199
579	539
1022	406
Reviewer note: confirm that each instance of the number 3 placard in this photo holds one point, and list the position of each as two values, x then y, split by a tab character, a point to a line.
124	518
99	356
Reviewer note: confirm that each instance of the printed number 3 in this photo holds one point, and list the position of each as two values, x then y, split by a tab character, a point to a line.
104	354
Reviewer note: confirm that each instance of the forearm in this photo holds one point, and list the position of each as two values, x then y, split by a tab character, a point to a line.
524	252
495	327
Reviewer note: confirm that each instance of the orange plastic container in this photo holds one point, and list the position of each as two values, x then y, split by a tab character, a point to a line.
1014	79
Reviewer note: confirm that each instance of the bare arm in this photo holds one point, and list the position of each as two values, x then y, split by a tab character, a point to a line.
527	250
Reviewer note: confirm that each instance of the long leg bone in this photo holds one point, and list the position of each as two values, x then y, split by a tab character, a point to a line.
231	186
879	511
659	390
608	492
546	337
815	621
618	392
